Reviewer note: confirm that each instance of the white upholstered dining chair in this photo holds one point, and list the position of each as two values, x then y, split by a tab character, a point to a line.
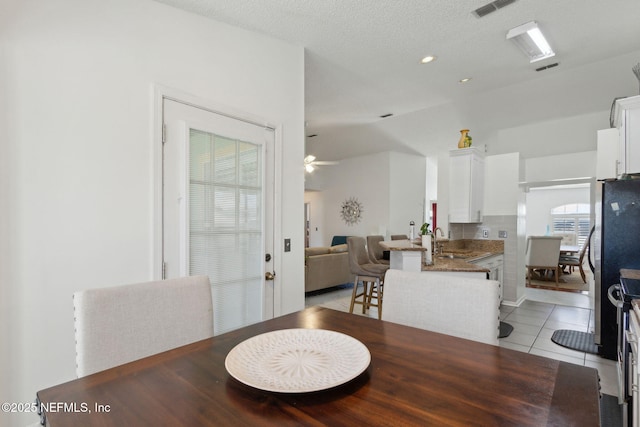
463	307
117	325
542	253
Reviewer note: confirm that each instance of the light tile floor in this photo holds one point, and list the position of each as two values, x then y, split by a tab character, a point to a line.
534	321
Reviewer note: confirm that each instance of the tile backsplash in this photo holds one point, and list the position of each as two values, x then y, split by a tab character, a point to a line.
494	225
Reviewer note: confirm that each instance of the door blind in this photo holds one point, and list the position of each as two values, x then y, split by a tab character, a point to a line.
225	225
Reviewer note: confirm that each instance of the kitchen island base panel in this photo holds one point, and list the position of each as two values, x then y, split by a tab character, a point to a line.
406	260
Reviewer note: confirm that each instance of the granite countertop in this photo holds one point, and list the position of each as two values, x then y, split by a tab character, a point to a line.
458	263
402	245
459	255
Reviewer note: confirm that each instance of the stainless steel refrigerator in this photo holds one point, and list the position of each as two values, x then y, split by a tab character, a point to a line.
615	245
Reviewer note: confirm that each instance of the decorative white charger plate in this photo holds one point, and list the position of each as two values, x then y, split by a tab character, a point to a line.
297	360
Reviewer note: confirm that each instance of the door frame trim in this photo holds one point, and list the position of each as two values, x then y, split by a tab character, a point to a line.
158	94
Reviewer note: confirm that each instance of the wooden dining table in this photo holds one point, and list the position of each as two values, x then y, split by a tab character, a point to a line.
569	249
415	377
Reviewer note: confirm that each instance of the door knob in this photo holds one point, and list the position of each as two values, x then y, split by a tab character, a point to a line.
269	275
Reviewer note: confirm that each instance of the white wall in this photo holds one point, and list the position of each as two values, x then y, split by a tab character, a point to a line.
365	178
564	166
76	112
390	186
406	192
562	135
314	180
501	174
540	201
7	239
443	191
431	188
315	200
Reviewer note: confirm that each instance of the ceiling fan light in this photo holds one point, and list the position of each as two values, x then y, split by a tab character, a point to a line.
309	158
309	167
531	41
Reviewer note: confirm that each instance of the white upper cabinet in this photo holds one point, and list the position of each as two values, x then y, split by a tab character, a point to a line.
607	163
627	122
466	185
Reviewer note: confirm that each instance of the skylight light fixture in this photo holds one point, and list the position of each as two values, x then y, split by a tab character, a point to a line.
529	38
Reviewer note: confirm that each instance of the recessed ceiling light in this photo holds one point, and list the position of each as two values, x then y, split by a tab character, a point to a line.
427	59
465	80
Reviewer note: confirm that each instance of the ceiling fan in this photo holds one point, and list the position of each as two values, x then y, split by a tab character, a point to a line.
310	163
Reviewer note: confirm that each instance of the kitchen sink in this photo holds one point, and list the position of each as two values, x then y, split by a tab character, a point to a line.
469	256
453	256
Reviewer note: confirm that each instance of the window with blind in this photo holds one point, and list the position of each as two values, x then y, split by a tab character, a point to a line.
574	219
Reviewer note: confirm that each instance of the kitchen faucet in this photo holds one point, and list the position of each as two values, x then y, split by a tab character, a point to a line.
437	246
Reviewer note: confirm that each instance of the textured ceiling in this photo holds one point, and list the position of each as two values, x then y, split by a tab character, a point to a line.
362	56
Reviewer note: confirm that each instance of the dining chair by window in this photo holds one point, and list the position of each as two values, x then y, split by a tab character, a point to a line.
463	307
577	261
567	238
370	274
117	325
376	252
543	254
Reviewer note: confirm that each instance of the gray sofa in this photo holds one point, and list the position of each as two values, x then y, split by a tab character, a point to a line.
326	266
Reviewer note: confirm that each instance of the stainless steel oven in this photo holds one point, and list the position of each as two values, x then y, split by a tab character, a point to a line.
634	383
617	299
621	295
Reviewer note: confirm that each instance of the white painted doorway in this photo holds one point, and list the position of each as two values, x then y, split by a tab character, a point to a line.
218	209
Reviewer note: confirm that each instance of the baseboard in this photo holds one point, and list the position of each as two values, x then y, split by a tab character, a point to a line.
514	303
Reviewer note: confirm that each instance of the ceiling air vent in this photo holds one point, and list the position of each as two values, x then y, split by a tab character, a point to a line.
491	7
546	67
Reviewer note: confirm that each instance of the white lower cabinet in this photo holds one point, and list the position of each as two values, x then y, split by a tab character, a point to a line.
494	264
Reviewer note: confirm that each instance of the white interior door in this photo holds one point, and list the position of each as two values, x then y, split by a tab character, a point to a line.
218	209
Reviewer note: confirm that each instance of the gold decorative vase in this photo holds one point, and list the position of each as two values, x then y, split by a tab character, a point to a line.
463	137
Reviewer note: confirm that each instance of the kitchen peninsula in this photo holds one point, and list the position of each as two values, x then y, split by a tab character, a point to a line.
463	256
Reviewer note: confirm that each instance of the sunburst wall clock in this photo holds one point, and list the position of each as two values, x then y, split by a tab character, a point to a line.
351	211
